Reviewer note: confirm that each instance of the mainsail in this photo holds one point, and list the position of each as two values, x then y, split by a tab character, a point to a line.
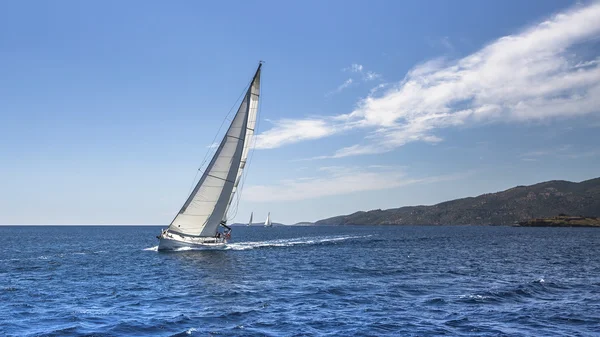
206	207
250	222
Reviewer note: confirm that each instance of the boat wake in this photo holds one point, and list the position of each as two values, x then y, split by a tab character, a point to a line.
290	242
272	243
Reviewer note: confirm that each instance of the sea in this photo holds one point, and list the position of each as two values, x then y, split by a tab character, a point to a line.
302	281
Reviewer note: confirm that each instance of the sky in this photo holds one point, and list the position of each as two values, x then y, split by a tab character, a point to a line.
107	108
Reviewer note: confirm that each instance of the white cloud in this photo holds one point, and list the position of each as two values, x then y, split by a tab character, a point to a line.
358	68
338	180
289	131
535	154
355	150
546	152
377	88
566	151
583	154
443	42
538	74
369	76
341	87
354	68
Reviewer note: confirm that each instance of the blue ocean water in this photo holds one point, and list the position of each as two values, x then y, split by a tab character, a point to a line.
302	281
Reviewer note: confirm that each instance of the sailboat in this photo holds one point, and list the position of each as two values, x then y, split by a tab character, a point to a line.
198	223
268	222
250	222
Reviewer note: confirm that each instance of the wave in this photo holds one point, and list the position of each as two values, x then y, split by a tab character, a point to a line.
536	289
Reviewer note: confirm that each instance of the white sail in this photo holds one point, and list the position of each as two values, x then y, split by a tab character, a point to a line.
207	205
254	93
250	222
268	221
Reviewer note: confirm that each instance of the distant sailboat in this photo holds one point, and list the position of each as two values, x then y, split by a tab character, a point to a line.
268	222
250	222
205	210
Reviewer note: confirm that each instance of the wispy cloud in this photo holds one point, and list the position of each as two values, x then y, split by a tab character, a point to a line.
566	151
582	154
335	180
443	42
354	68
341	87
369	76
359	74
359	68
546	152
289	131
535	75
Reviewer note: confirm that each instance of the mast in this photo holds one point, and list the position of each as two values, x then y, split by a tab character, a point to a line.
206	207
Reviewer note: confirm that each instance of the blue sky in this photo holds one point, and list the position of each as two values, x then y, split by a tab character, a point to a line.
107	107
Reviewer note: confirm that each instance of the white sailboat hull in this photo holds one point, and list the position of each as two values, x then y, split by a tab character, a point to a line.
176	242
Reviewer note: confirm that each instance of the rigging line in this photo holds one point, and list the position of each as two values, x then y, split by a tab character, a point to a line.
193	182
206	156
226	118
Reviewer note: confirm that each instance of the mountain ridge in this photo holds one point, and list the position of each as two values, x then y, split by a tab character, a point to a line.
519	203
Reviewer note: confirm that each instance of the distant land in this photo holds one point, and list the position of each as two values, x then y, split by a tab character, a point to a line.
562	220
304	223
518	204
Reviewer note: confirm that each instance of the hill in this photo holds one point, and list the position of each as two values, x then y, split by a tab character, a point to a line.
304	223
508	207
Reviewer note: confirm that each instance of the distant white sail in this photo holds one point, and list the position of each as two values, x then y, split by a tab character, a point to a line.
250	222
206	207
268	221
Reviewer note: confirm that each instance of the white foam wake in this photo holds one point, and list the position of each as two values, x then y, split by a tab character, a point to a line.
289	242
271	243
